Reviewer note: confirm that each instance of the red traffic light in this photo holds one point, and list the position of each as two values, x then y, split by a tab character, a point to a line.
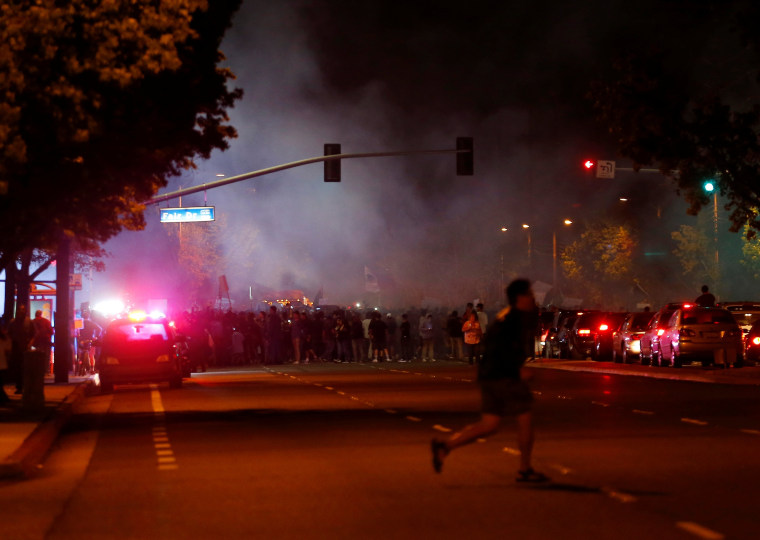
589	164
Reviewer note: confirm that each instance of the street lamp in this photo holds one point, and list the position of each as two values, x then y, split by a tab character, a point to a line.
710	187
530	247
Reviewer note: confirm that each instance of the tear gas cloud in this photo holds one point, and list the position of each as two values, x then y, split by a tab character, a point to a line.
429	236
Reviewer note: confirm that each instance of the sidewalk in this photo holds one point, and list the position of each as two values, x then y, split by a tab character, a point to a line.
695	373
26	437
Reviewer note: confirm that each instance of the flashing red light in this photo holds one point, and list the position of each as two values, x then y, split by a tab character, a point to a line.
756	340
588	164
660	332
687	306
604	327
584	332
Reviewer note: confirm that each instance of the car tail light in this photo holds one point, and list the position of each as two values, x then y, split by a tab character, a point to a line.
756	340
688	332
584	332
660	332
687	306
604	327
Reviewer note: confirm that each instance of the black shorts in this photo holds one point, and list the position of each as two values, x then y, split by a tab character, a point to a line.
505	397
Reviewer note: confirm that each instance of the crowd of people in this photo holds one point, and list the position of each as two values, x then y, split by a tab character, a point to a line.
287	335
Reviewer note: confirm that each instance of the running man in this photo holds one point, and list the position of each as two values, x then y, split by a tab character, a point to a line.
504	392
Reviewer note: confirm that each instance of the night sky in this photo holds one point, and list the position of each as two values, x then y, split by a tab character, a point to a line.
378	75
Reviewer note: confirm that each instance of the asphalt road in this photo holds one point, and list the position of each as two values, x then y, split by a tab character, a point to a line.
342	451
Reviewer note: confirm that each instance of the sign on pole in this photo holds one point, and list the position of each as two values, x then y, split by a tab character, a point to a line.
605	169
189	214
75	282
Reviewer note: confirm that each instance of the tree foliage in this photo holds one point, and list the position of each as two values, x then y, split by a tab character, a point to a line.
101	102
695	251
600	262
684	108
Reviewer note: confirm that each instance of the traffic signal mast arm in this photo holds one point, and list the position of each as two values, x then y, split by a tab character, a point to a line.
269	170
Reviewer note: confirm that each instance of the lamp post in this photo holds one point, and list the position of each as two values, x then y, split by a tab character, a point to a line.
530	247
567	223
710	188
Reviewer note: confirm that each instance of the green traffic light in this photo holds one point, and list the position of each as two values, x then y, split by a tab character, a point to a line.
709	187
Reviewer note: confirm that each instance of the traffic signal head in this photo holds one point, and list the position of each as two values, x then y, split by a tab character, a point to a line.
465	156
589	164
709	186
332	167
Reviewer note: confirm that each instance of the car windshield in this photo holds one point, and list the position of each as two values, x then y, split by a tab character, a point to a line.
640	321
708	316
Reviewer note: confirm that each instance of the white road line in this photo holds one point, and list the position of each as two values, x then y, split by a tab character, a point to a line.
698	530
618	495
155	400
561	469
639	411
511	451
751	431
693	421
600	403
414	419
443	429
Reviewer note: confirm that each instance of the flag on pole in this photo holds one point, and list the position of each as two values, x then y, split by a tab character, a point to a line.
370	281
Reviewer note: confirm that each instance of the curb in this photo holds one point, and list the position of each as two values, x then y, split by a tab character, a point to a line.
682	376
24	461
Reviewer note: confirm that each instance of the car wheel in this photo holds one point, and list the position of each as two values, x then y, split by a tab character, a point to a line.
656	359
614	356
644	360
574	354
624	354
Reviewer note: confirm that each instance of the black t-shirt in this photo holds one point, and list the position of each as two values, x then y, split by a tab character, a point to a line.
706	300
377	330
506	345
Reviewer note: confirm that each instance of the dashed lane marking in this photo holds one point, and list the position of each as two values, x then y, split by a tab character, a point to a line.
165	460
158	446
618	495
414	419
511	451
639	411
168	467
155	400
164	452
354	398
698	530
391	411
441	428
561	469
751	431
694	421
329	388
481	440
600	403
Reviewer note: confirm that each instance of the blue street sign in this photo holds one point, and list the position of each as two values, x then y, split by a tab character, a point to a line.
188	214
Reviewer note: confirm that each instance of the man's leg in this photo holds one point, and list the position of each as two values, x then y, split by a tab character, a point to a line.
487	425
525	438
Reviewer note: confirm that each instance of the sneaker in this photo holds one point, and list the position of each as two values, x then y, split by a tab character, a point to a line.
374	361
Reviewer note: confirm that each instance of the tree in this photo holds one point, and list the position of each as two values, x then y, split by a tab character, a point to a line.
102	102
600	263
682	108
751	256
694	250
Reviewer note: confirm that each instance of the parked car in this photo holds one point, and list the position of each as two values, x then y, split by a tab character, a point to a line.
649	342
581	339
752	345
551	323
626	341
142	348
696	333
610	323
745	313
563	333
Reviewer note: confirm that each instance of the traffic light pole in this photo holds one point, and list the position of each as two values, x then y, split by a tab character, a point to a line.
269	170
